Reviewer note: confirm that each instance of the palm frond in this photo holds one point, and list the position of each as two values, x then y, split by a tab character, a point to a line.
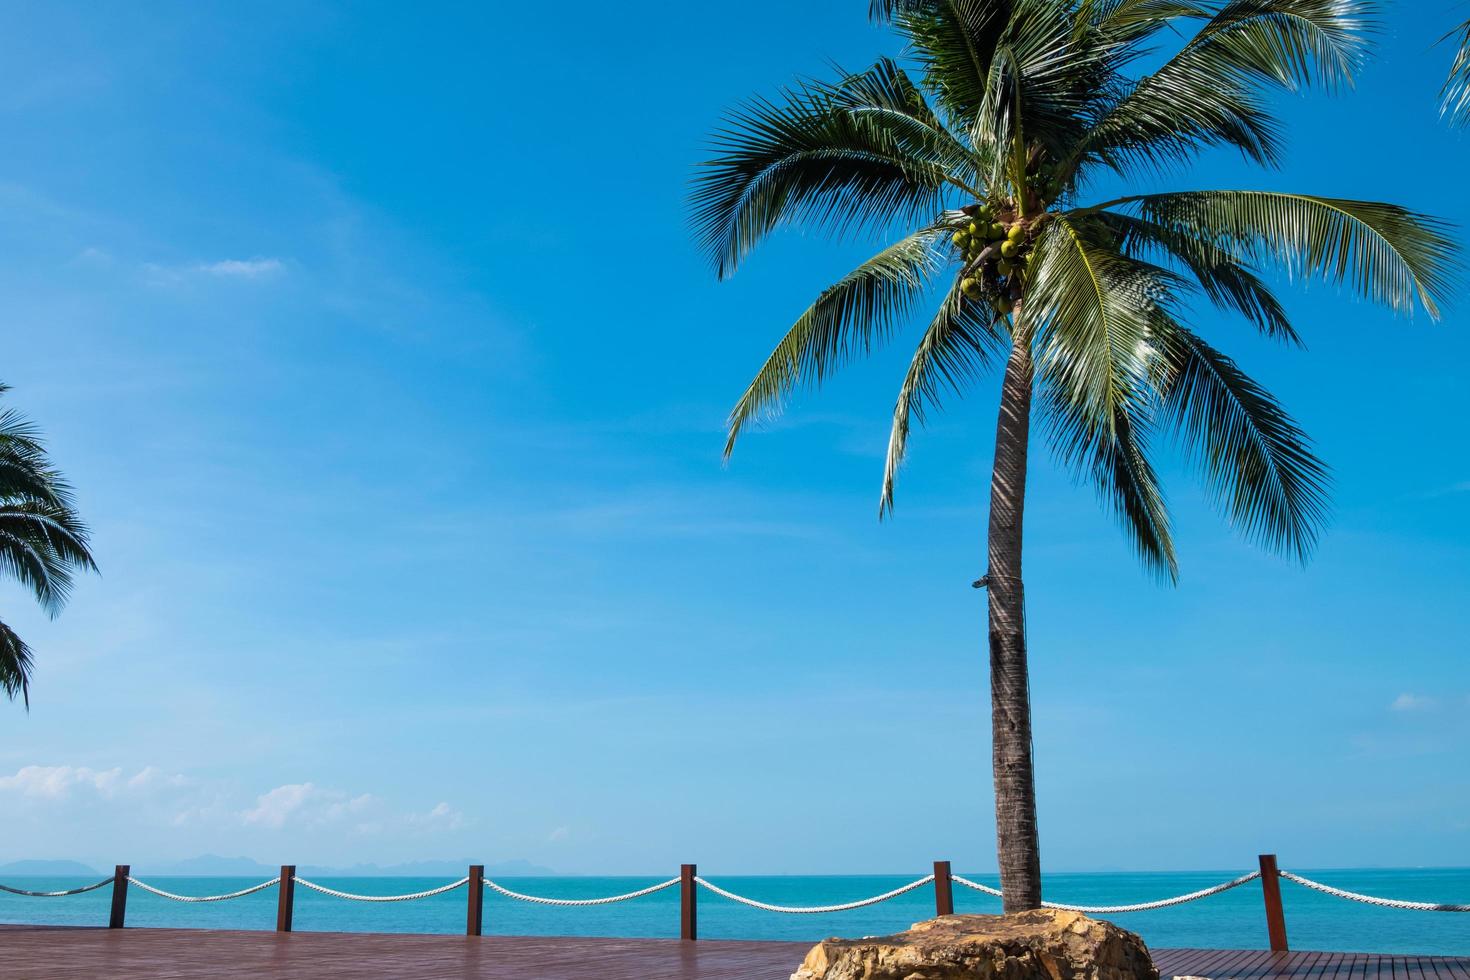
959	343
1089	307
1224	276
1256	462
1208	93
15	665
851	316
1290	42
1113	455
40	545
1455	95
811	157
954	41
1386	254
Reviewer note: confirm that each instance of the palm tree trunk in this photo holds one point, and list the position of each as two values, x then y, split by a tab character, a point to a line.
1017	846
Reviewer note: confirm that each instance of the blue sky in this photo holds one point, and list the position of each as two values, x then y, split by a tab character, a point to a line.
393	389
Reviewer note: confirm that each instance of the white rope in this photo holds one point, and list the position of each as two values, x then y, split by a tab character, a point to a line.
411	896
205	898
69	891
583	901
1388	903
1115	909
812	909
960	880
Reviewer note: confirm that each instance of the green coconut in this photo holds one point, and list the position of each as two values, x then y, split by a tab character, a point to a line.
1005	267
997	231
1004	304
1009	249
1016	233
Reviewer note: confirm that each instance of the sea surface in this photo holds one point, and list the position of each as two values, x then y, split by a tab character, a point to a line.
1232	920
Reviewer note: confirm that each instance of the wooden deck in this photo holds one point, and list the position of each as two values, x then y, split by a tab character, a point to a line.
44	953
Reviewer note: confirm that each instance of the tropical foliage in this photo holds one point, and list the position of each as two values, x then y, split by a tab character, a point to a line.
977	157
42	541
1455	97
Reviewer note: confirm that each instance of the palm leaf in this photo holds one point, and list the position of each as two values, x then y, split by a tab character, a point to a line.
954	41
959	343
1113	455
1255	461
854	314
1089	307
812	158
1455	95
1225	277
15	665
1385	253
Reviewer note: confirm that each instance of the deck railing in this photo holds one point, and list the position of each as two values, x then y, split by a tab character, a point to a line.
689	884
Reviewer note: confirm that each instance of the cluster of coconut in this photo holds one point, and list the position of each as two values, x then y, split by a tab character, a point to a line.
995	247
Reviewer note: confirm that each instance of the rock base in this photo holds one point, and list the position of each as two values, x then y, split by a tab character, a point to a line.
1047	944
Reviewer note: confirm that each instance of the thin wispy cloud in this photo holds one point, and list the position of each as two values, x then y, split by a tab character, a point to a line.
258	269
1411	702
242	268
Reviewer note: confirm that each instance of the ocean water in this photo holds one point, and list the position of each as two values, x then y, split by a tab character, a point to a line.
1233	920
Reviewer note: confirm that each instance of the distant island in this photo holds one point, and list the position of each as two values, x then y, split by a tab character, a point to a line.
55	869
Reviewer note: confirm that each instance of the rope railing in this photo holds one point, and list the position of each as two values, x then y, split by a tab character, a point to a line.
814	909
61	894
689	883
580	902
1162	903
409	897
204	898
1388	903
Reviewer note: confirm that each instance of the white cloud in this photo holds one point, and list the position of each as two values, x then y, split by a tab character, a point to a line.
161	798
242	268
442	817
58	782
559	834
1411	702
310	805
274	808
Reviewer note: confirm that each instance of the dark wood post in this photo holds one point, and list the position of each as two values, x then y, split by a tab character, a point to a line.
943	889
286	899
475	917
1275	915
119	896
688	908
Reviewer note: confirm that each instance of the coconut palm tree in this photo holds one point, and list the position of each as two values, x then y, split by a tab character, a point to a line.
42	541
981	165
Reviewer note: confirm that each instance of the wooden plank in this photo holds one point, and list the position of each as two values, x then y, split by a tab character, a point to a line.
54	953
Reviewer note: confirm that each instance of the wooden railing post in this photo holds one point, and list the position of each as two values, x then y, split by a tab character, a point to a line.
119	896
286	898
943	889
1271	892
474	918
688	908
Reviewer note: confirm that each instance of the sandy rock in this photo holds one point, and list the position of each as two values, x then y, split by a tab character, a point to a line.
1047	944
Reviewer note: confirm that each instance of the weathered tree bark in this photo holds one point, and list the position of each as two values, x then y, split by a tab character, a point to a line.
1017	844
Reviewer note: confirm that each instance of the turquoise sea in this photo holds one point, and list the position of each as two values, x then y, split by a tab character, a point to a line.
1230	920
